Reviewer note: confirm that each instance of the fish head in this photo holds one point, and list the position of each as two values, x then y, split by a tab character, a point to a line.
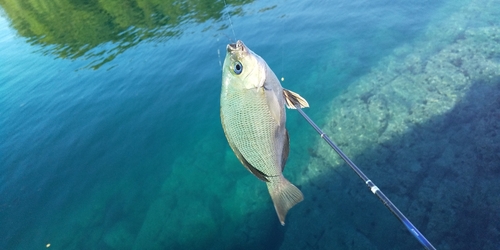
243	67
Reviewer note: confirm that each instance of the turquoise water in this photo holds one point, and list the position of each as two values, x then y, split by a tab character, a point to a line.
111	137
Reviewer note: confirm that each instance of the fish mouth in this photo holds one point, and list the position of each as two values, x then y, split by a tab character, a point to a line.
238	46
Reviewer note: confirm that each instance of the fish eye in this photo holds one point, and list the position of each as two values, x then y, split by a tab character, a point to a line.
238	68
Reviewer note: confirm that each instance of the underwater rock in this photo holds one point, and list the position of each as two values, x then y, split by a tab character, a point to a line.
217	205
119	237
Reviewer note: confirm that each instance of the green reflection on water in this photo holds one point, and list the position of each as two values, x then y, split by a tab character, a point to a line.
74	28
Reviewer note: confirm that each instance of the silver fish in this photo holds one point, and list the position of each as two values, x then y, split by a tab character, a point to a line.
253	118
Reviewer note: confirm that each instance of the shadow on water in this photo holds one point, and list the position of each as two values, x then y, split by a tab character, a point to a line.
73	29
443	175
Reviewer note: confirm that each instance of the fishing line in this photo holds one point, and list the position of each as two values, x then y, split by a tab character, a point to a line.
283	16
375	190
234	35
229	18
218	53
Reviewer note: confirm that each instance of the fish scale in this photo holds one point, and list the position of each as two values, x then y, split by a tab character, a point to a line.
253	142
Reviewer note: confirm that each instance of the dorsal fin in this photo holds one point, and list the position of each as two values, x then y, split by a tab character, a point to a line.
286	150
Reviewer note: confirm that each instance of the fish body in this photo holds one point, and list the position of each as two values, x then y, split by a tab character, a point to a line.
253	118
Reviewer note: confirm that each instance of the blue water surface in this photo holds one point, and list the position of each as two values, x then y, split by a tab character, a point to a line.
110	130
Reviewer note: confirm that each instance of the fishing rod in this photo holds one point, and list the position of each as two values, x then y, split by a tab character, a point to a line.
375	190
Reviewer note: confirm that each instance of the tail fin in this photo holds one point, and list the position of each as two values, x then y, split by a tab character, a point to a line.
285	195
292	99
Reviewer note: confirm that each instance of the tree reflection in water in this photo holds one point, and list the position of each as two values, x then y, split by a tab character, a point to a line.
72	29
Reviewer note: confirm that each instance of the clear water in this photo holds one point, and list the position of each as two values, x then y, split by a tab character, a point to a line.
111	139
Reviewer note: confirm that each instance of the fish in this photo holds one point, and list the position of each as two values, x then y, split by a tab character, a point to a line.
253	117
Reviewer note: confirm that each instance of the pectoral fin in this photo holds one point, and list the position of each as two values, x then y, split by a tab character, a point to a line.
292	99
